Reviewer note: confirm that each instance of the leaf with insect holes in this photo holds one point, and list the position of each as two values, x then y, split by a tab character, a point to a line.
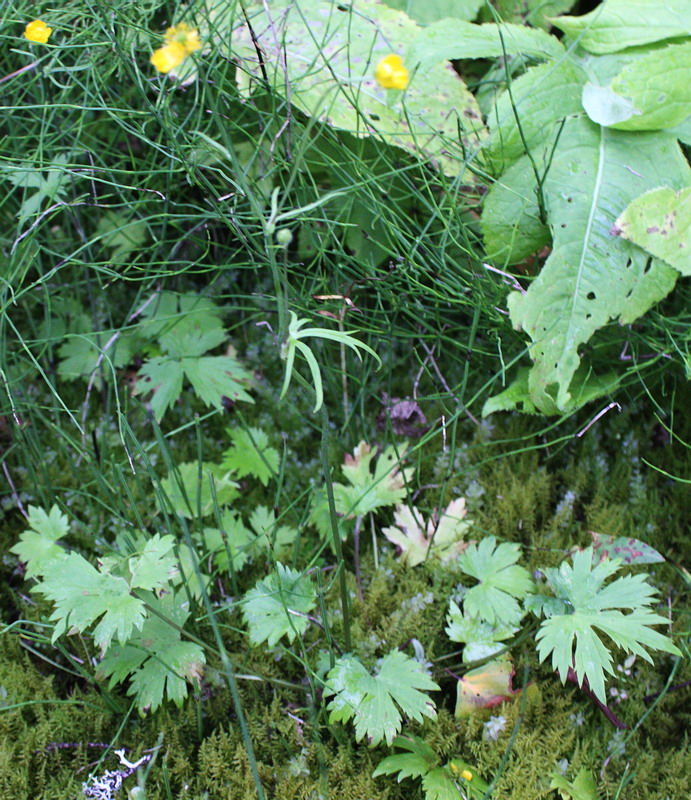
82	595
376	703
37	547
157	660
369	491
502	583
278	606
481	639
251	454
570	635
441	537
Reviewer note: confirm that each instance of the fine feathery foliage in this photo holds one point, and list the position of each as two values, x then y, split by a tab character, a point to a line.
585	605
376	703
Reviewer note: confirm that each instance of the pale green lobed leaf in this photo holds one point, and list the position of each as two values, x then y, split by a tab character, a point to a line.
659	221
427	11
582	788
155	565
278	605
251	454
190	489
376	703
37	547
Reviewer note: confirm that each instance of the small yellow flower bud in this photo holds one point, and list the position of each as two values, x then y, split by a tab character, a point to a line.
467	774
37	31
391	73
168	57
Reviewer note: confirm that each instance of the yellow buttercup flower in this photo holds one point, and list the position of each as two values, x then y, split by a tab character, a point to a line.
37	31
184	35
391	72
168	57
467	774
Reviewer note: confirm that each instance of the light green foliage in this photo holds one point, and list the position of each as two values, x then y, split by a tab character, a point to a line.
156	660
37	547
294	344
375	703
650	93
591	276
85	349
502	583
585	604
121	234
331	53
235	542
278	606
481	639
367	491
82	594
537	13
155	565
453	38
251	454
511	223
542	96
270	535
659	221
618	24
418	760
50	184
441	537
189	487
187	327
428	11
584	387
582	788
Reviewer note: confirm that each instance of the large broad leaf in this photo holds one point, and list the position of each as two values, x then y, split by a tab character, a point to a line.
322	56
428	11
650	93
540	98
592	276
660	222
618	24
511	224
454	38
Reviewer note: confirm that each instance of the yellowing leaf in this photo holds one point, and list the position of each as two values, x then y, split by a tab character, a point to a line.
484	687
444	534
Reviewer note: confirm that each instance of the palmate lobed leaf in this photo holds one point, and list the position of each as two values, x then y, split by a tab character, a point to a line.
481	639
37	547
501	581
82	595
572	638
441	537
376	703
251	454
278	606
157	661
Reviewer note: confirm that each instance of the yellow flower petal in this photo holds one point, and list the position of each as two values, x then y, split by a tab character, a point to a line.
391	73
37	31
184	35
168	57
467	774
